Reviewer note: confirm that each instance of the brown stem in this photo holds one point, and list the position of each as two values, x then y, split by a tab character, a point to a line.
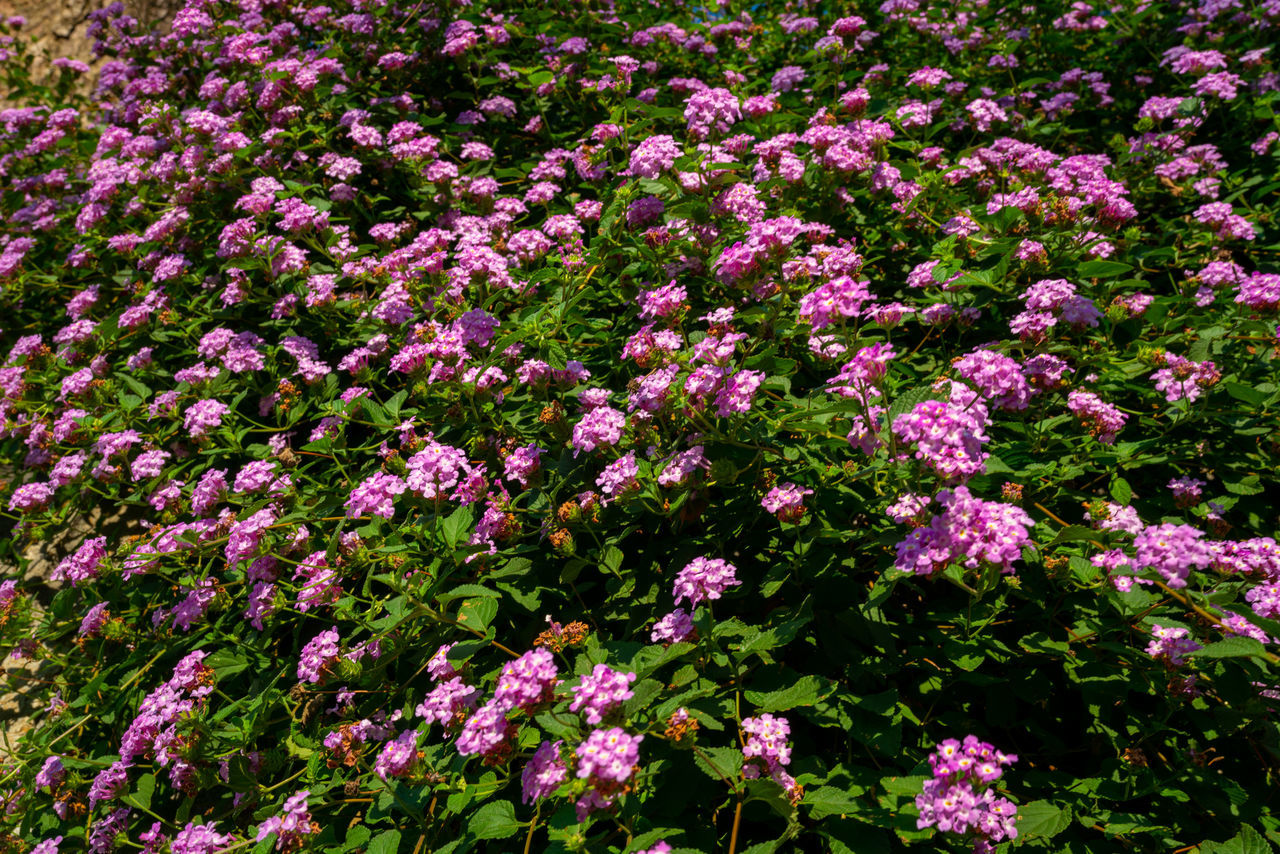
533	825
737	820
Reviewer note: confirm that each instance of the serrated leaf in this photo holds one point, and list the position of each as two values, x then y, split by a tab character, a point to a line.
806	691
1074	533
385	843
478	613
226	663
1042	819
1247	841
830	800
902	786
357	836
1245	486
494	820
719	762
457	526
1235	647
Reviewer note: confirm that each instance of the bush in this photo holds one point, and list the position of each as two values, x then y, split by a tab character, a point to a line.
638	427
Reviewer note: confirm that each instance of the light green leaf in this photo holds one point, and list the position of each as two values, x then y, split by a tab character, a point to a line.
806	691
1042	819
494	820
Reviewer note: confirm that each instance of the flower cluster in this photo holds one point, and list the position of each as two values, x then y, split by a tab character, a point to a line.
959	799
765	751
970	532
412	323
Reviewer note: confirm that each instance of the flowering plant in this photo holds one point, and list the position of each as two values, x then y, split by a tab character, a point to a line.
619	427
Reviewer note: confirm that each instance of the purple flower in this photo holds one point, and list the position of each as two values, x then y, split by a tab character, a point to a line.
957	799
200	839
1103	419
527	681
1172	645
609	755
109	782
30	496
149	464
653	156
449	703
51	774
544	774
765	750
786	501
600	692
675	627
82	566
969	531
436	469
293	822
619	477
375	496
398	757
47	846
203	416
254	476
522	463
1171	550
682	466
704	578
438	666
948	435
487	732
320	653
601	425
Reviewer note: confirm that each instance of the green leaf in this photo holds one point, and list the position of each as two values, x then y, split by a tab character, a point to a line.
830	800
495	820
385	843
1042	819
458	526
1245	393
357	837
478	613
1074	533
806	691
1236	647
903	786
296	749
1245	486
852	837
719	762
1247	841
142	791
226	662
1102	269
1121	491
240	777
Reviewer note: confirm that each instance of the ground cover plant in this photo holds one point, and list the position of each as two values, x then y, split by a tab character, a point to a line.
628	427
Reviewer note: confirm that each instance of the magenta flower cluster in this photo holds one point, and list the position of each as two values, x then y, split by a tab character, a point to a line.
958	798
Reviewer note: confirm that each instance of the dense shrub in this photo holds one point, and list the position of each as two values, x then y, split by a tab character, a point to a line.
634	427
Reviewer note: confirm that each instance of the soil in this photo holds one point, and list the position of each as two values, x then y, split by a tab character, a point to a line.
58	27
